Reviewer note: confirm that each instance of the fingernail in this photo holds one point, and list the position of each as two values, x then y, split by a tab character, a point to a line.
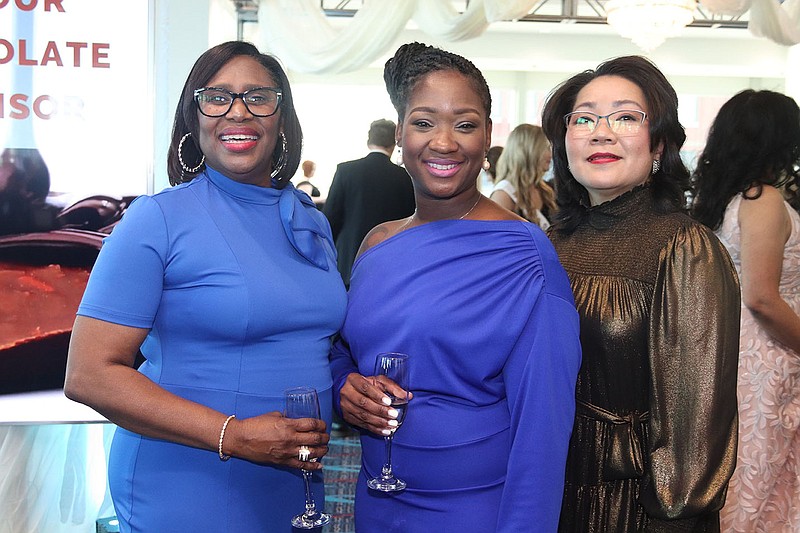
393	413
386	400
392	423
386	432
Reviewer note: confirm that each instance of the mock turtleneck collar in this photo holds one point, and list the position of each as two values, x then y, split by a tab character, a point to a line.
303	231
243	191
629	203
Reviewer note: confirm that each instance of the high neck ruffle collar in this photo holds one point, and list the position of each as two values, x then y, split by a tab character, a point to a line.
303	231
627	204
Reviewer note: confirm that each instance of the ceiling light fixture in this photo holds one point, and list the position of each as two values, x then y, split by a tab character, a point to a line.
648	23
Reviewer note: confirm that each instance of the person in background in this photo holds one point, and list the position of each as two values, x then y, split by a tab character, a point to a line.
491	158
24	186
520	185
497	387
228	284
654	440
745	182
308	167
366	192
488	173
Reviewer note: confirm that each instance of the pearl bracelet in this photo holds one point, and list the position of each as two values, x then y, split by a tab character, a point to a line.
222	456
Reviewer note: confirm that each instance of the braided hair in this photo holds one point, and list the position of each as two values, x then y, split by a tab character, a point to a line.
413	61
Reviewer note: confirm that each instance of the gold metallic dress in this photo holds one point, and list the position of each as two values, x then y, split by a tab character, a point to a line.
654	440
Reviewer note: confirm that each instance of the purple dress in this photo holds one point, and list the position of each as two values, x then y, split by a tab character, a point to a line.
485	311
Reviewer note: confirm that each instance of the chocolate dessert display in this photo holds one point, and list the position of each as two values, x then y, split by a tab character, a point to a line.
42	279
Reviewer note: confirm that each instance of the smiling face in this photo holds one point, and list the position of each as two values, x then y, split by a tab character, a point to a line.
445	135
239	144
605	163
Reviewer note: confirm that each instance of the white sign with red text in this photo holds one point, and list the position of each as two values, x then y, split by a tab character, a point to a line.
75	83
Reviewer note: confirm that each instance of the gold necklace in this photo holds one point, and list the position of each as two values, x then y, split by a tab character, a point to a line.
407	222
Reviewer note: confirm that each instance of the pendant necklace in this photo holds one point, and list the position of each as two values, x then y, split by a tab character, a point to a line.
407	222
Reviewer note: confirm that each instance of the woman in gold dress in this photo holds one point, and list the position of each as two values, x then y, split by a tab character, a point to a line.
654	440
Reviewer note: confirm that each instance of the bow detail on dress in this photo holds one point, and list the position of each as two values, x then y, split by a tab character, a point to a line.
625	457
305	233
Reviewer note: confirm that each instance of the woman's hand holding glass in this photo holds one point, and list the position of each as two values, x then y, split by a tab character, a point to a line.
392	374
303	403
272	438
366	403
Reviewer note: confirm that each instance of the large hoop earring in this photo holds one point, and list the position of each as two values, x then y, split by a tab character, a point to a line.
282	159
184	166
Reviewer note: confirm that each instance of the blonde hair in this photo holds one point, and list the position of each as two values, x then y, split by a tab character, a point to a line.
520	164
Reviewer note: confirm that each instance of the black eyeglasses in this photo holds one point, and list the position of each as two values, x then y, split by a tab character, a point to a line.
623	122
216	102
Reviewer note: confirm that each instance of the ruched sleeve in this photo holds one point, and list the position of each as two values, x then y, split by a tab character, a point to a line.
540	377
342	364
486	313
694	346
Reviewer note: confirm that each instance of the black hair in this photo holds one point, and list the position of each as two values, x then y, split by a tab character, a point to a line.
492	156
668	184
413	61
753	141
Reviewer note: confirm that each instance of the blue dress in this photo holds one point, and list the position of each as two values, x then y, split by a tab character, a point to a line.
486	314
239	288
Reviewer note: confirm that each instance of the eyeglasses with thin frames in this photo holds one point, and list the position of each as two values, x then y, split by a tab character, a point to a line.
217	102
623	122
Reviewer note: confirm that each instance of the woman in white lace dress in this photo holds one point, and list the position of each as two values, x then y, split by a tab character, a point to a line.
747	191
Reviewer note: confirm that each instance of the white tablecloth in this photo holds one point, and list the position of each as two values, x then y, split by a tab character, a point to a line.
53	457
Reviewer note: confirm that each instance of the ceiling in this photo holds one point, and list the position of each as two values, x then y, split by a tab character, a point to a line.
544	41
554	11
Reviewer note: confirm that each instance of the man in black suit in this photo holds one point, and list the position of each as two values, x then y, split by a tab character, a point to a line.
366	192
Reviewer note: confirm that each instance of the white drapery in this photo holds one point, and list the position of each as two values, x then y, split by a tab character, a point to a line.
299	33
778	22
53	477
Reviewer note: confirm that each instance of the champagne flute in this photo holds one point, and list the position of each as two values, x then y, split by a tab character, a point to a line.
302	402
395	367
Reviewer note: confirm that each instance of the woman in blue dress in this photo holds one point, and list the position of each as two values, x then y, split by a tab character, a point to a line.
477	298
227	283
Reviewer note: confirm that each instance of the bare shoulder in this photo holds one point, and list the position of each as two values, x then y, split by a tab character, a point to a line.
380	233
493	211
765	213
770	201
502	198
